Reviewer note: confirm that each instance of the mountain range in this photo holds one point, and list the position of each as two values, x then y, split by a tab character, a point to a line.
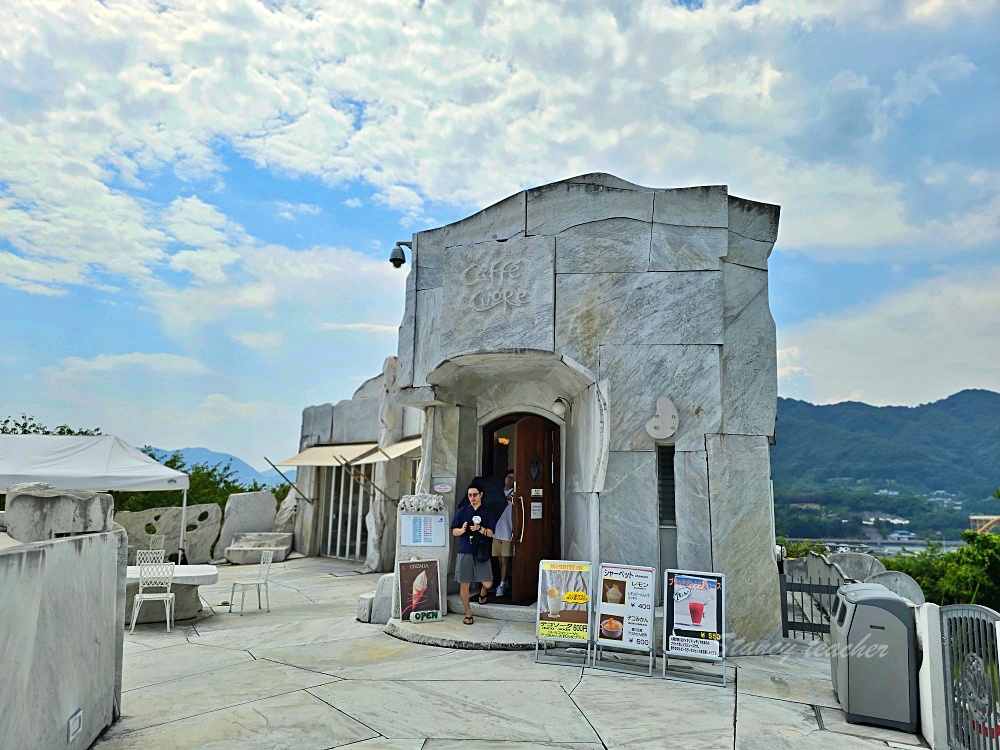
951	445
244	472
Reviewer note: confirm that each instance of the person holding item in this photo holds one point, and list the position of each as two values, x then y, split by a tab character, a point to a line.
502	538
474	524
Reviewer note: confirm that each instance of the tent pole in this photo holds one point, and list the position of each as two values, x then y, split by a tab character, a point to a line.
184	505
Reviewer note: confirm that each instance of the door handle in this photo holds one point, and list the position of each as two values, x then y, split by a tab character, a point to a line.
524	518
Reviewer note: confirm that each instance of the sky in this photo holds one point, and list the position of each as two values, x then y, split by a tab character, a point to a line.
197	200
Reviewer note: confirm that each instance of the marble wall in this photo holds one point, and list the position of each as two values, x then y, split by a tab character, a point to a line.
646	293
61	631
629	513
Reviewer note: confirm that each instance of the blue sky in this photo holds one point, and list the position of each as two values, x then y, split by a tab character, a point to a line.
196	206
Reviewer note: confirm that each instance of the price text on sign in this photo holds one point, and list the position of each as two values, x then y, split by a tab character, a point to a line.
694	620
571	631
564	611
625	607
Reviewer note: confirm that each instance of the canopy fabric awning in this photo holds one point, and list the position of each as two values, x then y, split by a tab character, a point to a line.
83	462
330	455
393	451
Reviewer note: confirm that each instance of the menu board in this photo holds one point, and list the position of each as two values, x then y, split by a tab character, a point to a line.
564	600
422	530
625	610
419	590
694	614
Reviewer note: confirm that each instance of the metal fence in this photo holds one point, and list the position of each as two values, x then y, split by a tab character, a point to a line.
970	637
805	606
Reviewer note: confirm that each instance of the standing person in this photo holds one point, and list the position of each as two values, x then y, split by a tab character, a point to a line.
475	525
502	539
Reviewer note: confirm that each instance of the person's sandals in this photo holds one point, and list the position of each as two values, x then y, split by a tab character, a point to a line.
484	596
468	621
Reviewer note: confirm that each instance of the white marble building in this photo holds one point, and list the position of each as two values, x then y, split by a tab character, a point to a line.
555	320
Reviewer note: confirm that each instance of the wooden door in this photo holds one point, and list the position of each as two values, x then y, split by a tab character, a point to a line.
536	504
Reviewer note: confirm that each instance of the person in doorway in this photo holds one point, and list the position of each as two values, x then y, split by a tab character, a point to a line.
502	538
474	525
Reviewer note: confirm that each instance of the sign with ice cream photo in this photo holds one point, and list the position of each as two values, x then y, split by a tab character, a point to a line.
694	614
625	612
419	590
564	600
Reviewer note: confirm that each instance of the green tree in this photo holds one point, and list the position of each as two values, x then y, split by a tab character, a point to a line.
28	425
802	549
208	484
967	575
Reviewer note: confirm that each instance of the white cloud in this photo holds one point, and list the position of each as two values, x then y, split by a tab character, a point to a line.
362	327
289	211
919	345
258	340
73	367
505	96
353	203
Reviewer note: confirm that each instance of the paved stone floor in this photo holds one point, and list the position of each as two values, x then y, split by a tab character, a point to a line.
308	676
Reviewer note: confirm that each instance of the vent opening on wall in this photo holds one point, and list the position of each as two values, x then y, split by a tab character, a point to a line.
665	484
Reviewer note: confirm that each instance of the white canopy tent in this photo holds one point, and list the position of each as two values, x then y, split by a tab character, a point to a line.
77	462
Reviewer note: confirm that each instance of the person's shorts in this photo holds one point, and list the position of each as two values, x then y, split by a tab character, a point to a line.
468	570
501	548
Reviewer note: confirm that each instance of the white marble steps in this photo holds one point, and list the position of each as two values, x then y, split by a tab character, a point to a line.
484	635
247	547
493	611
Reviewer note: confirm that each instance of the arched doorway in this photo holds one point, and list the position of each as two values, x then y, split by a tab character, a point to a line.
528	444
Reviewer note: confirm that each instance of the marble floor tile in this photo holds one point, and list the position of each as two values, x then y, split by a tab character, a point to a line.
432	744
282	632
210	691
381	743
155	635
835	720
152	667
378	657
633	712
789	678
297	720
132	647
532	712
766	724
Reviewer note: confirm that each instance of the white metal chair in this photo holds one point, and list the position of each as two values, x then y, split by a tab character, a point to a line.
154	576
156	541
261	580
148	556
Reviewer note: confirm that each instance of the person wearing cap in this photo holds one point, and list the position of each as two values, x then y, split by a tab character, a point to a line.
474	526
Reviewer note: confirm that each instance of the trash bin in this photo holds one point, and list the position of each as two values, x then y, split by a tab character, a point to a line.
876	658
838	633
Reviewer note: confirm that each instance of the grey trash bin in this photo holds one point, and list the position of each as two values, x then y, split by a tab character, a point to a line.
838	633
876	659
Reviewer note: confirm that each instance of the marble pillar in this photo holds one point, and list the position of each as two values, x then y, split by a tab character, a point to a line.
742	535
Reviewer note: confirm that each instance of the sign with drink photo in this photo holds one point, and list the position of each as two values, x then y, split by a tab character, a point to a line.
564	600
625	612
694	614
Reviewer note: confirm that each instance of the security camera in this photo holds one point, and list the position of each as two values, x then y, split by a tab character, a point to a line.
397	257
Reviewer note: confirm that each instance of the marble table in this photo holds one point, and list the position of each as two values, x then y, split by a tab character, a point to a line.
187	602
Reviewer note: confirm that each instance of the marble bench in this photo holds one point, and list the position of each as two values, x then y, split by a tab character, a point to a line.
187	602
247	547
